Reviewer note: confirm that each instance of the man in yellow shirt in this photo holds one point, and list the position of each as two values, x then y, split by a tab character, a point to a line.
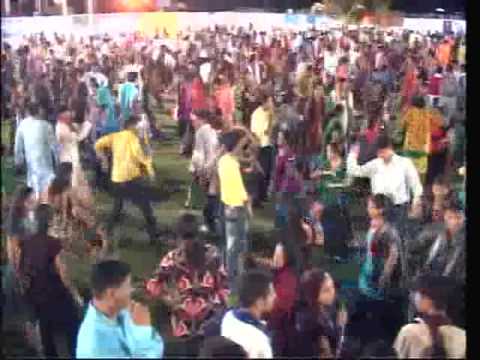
129	166
261	126
236	206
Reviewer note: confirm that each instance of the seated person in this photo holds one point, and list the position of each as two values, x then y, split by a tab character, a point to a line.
190	279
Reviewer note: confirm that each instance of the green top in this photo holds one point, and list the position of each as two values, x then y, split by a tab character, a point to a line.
326	188
8	177
334	124
329	104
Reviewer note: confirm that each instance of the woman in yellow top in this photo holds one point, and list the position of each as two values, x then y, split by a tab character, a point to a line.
417	124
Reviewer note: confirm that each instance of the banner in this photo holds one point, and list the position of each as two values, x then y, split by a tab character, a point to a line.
172	22
158	22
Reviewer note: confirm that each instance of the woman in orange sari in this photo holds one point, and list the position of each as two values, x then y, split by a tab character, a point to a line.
409	83
444	52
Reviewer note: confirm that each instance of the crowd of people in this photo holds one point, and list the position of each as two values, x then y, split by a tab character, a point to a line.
328	126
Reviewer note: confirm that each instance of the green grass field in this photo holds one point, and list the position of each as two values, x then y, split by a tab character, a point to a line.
171	169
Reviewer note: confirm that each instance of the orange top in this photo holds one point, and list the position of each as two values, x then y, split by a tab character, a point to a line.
443	53
225	101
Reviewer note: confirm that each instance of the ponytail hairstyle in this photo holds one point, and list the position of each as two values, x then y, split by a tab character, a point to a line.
438	290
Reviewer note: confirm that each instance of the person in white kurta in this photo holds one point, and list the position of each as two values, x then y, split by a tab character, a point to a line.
69	135
35	147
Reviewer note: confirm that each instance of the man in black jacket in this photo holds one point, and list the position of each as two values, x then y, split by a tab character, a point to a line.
445	253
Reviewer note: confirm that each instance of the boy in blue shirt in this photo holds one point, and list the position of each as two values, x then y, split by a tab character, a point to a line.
114	326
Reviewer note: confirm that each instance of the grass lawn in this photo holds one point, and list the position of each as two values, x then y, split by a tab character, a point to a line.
171	169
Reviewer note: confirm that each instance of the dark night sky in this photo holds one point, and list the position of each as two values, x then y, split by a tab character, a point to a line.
429	5
414	6
419	6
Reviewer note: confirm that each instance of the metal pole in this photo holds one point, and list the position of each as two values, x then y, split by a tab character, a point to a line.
64	8
90	6
90	14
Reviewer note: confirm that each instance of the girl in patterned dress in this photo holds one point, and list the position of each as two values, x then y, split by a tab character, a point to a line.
190	280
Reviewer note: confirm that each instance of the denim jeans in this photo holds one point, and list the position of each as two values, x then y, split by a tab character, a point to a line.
210	212
236	229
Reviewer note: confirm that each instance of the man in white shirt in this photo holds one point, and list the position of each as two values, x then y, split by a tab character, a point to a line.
393	176
261	125
244	325
330	61
205	68
203	165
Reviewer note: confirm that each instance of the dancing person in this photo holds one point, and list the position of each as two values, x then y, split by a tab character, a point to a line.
317	324
443	247
196	266
106	102
368	142
315	116
129	94
203	163
330	181
21	216
224	100
261	127
432	334
380	272
393	176
20	224
434	86
114	325
449	93
184	112
73	219
129	165
45	283
288	178
244	325
439	144
334	128
69	135
417	122
435	200
285	282
35	148
236	204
